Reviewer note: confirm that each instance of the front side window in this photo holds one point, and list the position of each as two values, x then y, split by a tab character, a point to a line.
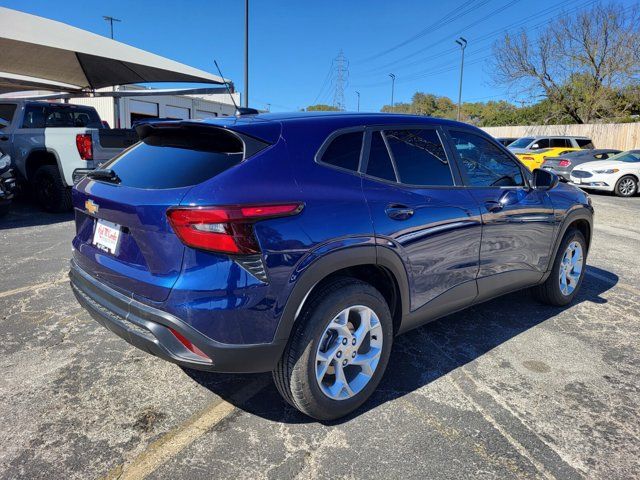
33	117
484	164
419	157
540	143
6	111
344	151
560	143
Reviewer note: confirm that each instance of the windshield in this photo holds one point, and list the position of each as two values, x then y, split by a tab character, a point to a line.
631	156
521	142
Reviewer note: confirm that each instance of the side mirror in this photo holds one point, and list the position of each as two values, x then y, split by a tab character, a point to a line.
3	123
535	146
544	179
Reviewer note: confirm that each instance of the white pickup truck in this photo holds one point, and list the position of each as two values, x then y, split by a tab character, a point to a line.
52	145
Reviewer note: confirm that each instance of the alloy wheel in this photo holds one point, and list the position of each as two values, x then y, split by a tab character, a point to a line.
627	186
571	268
349	352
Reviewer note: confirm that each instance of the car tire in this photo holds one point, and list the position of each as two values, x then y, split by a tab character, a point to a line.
312	336
554	291
51	192
4	209
626	186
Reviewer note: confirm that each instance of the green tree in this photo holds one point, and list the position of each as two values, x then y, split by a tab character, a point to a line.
321	107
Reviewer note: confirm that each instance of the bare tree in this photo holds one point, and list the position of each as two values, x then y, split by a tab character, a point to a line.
581	63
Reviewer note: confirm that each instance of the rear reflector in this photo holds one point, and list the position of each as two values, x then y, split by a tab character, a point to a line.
225	229
85	146
564	163
190	346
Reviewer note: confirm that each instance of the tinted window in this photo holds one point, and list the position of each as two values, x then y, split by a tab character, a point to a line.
33	116
540	143
584	143
484	163
419	157
344	151
177	158
6	111
65	117
632	156
560	143
379	161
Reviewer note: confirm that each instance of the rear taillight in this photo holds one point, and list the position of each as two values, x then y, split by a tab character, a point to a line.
225	229
85	146
189	346
564	163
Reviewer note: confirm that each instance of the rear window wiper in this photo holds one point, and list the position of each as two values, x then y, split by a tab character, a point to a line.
105	174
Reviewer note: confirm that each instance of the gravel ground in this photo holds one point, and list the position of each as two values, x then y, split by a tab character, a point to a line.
507	389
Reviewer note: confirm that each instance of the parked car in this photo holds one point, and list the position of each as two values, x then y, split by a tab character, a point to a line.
529	144
506	140
564	164
302	244
618	174
7	184
535	159
54	144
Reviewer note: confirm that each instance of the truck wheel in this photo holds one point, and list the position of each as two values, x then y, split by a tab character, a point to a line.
338	350
52	194
568	271
627	186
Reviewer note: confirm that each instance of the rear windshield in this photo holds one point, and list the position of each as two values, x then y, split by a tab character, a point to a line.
71	116
177	158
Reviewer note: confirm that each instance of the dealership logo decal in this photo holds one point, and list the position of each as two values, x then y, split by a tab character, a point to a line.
91	207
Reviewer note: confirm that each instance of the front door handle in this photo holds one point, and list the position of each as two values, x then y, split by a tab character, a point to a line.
493	206
399	212
4	138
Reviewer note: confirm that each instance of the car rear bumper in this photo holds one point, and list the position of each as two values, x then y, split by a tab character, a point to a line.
150	329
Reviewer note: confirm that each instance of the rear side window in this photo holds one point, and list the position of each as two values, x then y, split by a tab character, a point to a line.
419	157
33	116
177	158
379	164
6	111
584	143
344	151
484	164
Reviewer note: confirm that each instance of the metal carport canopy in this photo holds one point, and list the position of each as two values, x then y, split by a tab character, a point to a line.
36	47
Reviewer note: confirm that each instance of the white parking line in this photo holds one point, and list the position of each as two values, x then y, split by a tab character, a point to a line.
37	286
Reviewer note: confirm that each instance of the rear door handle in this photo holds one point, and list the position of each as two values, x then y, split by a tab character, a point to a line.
399	212
493	206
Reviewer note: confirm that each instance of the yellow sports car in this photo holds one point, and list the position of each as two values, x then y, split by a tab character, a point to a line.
535	158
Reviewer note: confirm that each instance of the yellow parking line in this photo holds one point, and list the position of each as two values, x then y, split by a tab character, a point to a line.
175	441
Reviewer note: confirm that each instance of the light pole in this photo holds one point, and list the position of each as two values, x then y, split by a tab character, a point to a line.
246	53
463	44
393	82
111	20
358	94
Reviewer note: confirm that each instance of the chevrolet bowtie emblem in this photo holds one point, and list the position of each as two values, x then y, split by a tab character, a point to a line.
91	207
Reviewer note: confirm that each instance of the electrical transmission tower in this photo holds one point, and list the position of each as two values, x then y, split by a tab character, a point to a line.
341	68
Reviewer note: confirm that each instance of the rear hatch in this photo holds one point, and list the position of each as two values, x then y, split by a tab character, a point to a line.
123	235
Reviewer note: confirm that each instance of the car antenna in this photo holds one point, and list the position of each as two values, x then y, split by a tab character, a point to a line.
239	110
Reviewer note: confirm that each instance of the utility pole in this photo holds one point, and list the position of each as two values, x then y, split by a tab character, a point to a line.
393	84
246	53
116	100
111	20
358	94
463	44
341	66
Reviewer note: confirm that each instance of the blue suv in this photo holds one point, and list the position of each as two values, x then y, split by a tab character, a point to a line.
302	244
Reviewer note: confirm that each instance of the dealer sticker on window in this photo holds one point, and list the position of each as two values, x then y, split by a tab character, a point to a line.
106	236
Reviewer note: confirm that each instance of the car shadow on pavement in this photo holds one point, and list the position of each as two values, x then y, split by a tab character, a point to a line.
425	354
24	212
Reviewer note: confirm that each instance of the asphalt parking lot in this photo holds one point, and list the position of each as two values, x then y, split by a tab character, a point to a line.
507	389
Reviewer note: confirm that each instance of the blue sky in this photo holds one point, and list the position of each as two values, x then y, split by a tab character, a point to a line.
293	43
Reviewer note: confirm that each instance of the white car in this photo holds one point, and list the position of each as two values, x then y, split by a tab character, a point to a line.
619	173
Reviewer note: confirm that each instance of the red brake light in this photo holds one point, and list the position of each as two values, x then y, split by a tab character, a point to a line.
190	346
85	146
225	229
564	163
